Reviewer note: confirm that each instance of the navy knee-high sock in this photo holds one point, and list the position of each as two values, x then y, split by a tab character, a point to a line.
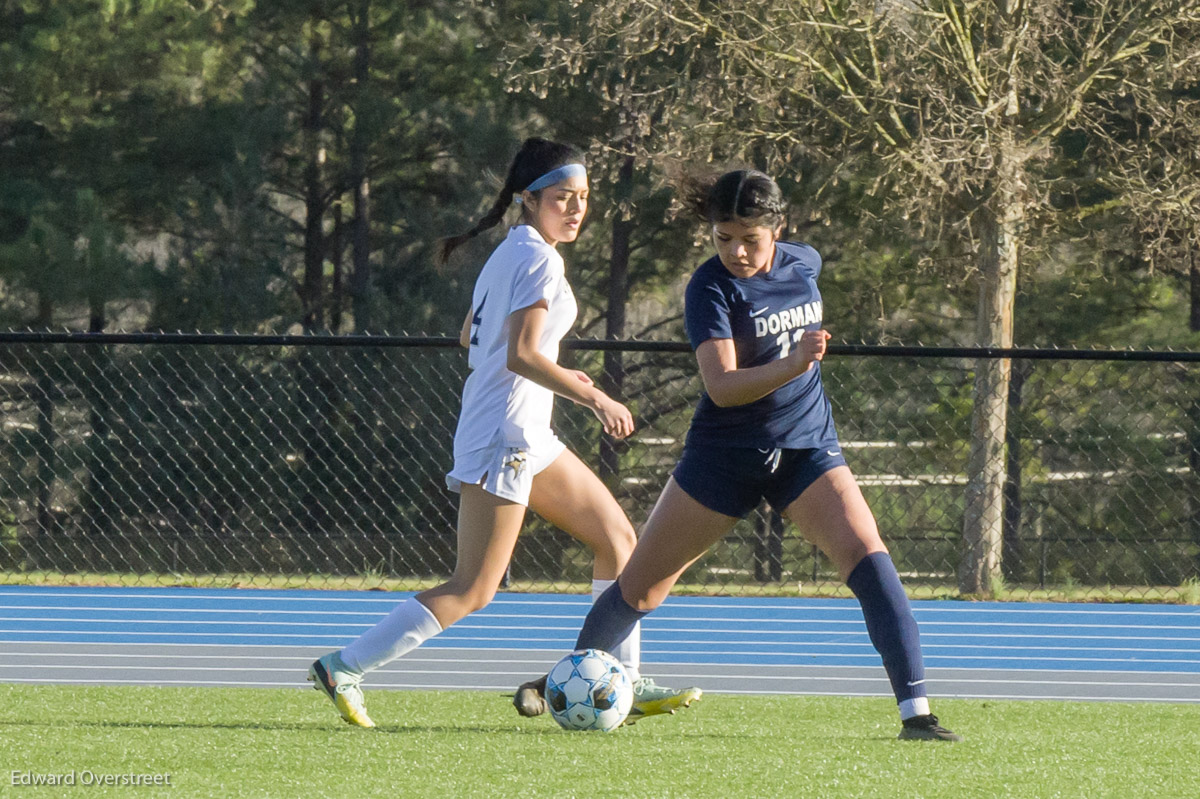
609	622
890	623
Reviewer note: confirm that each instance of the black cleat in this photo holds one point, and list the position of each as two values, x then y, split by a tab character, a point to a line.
926	728
530	698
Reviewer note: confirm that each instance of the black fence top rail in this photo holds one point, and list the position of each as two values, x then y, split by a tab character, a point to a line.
29	337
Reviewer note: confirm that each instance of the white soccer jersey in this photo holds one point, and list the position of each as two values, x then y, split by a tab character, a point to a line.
500	407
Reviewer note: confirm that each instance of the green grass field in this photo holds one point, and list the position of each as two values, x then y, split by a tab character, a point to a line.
216	742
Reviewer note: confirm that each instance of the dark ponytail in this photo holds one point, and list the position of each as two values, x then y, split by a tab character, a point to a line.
745	195
535	158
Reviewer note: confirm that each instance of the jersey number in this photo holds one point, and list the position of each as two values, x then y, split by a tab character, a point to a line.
477	320
786	340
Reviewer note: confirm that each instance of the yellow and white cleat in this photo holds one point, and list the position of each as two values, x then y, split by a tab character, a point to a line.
652	700
330	674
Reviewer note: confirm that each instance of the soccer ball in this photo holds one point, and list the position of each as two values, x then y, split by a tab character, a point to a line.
589	690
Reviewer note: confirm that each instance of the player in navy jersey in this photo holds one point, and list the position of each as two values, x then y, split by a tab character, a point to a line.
506	455
764	429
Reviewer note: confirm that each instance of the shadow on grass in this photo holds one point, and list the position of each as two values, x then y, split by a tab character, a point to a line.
542	731
279	726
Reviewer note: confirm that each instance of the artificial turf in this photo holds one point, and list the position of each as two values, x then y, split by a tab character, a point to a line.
242	742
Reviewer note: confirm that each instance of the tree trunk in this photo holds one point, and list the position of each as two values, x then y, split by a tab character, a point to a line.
1013	549
768	547
1194	274
360	241
313	315
316	391
335	253
983	521
39	554
99	500
1193	458
613	379
1194	417
315	407
363	471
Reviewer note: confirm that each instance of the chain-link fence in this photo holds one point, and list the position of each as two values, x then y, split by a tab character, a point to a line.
265	461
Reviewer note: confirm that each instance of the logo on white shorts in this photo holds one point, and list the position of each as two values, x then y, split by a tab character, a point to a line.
516	460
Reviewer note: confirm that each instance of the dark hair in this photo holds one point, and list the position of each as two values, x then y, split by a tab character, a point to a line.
745	195
535	158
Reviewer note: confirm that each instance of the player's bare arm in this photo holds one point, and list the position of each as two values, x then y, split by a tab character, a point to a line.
525	331
727	385
464	335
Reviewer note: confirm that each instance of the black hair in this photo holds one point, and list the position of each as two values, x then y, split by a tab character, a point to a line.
744	195
535	158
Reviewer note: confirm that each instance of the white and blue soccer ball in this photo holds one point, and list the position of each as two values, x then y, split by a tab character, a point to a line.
589	690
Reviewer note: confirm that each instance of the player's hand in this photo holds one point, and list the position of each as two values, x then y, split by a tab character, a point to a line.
811	348
614	417
582	377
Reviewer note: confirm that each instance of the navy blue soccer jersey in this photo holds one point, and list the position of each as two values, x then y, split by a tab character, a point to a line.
765	316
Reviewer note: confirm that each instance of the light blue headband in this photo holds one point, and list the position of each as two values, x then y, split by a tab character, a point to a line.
557	175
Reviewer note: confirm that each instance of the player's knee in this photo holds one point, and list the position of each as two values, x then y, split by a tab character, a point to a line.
646	604
479	597
642	601
623	539
469	596
847	558
616	541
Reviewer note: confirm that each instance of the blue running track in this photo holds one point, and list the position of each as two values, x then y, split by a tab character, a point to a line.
744	645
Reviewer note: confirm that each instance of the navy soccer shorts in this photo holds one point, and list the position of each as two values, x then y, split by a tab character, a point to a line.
734	480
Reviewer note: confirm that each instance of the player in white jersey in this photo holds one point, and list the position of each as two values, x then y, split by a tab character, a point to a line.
504	414
506	455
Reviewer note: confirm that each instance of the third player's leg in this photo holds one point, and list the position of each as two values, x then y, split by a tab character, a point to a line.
678	532
571	497
833	514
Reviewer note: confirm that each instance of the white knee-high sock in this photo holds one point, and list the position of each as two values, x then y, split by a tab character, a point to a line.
408	626
629	651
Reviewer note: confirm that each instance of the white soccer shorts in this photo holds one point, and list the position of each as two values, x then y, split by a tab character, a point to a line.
506	472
